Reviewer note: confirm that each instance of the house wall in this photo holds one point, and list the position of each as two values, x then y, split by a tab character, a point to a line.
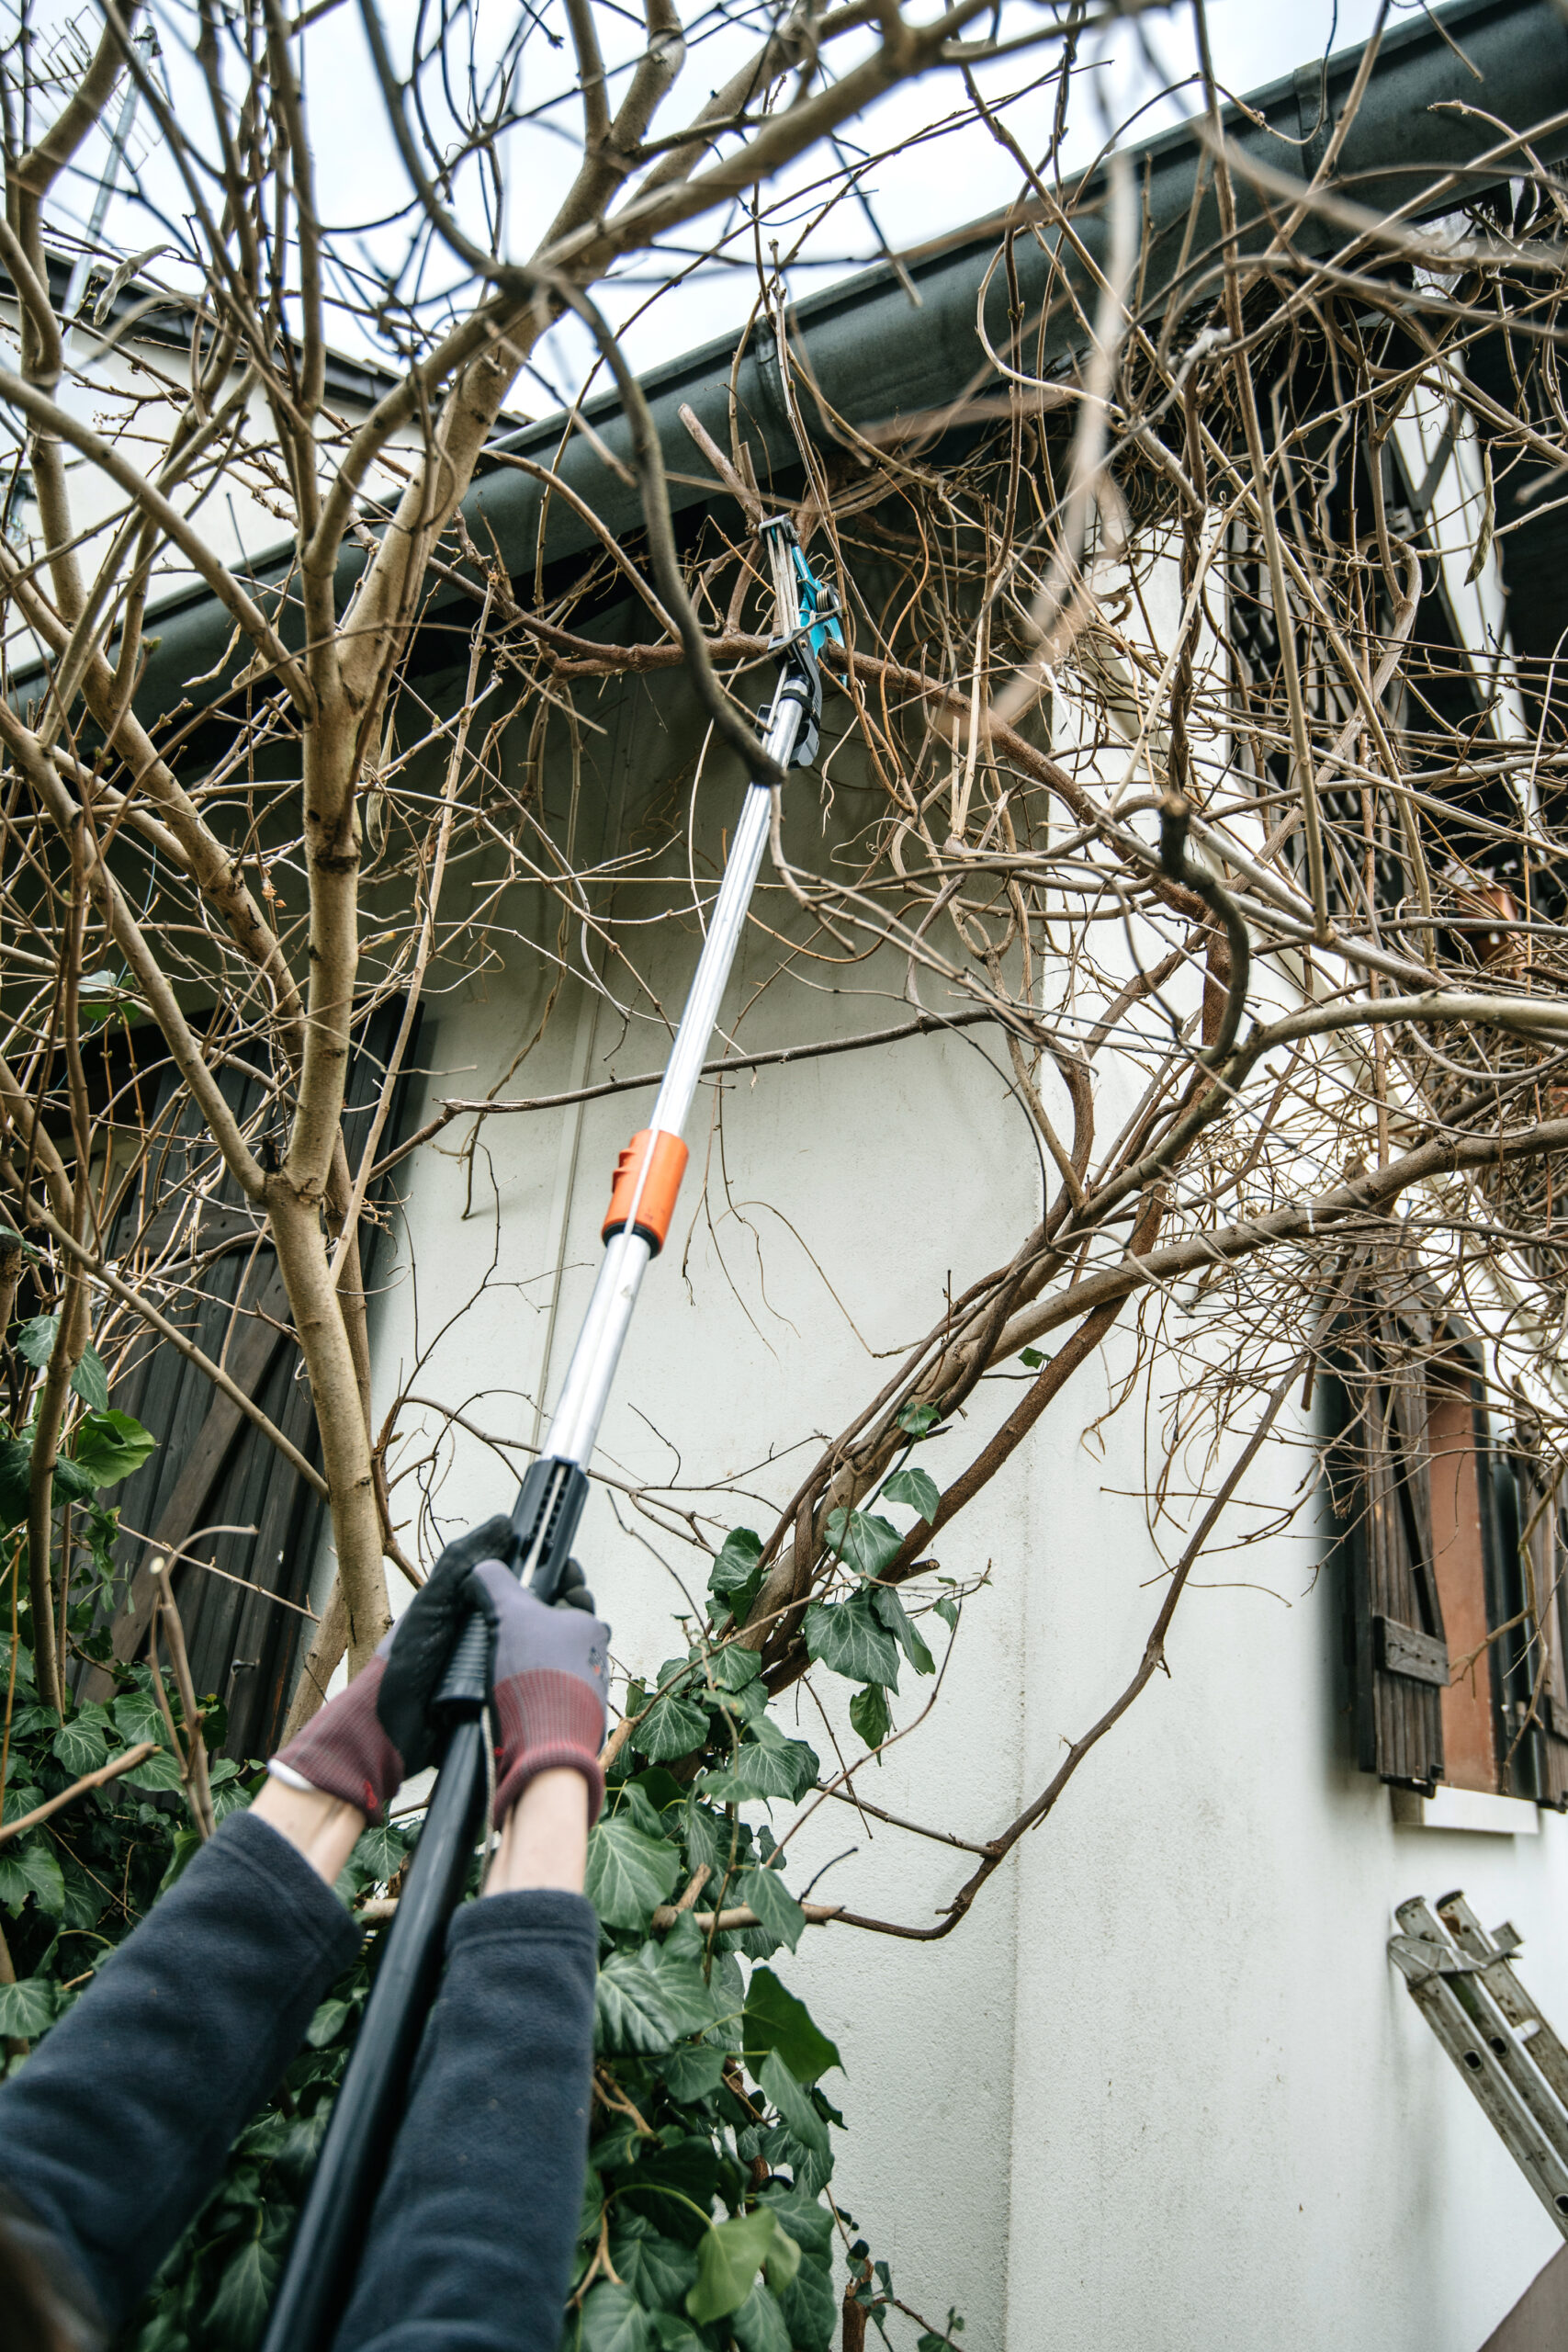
1162	2091
240	516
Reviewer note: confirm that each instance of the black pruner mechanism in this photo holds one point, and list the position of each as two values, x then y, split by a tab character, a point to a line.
817	625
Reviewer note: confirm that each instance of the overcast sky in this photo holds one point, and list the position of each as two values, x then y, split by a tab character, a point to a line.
927	177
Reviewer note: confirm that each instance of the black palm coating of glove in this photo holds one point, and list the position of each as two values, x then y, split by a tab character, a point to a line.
572	1591
424	1639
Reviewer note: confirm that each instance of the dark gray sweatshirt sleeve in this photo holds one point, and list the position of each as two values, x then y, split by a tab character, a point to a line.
471	2241
115	2128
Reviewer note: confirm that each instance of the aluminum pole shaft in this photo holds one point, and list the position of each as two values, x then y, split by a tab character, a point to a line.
574	1428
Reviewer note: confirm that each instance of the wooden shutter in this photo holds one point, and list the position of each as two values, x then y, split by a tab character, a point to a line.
215	1469
1400	1659
1541	1702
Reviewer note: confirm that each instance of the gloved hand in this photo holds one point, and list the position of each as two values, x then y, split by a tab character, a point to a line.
366	1742
549	1681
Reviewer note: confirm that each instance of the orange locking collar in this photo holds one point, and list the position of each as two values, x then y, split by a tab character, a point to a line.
664	1156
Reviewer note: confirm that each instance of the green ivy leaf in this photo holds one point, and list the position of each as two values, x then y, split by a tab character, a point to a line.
759	2325
629	1873
774	1904
91	1382
327	2023
85	1901
28	1867
689	2001
918	1419
775	2021
766	1765
108	1447
159	1771
800	2118
614	2321
186	1845
245	2295
26	2009
848	1638
692	2165
782	2264
917	1489
947	1609
738	1571
228	1799
658	2269
26	1681
705	1838
72	1484
379	1852
15	1463
24	1721
1031	1357
861	1541
810	2307
641	1804
79	1746
629	2010
692	2073
34	1340
672	1727
673	2334
809	2224
734	1666
728	2258
138	1716
891	1611
868	1715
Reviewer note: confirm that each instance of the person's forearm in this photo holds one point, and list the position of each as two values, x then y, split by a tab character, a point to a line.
544	1839
474	2229
115	2129
324	1830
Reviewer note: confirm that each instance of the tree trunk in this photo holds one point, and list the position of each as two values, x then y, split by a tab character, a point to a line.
340	1417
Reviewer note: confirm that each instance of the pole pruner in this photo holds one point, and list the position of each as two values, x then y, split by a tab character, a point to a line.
325	2251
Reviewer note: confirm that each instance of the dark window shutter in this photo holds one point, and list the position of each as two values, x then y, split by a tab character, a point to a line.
1399	1657
1541	1697
214	1469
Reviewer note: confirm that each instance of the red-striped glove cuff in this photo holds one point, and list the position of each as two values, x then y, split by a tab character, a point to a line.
345	1752
546	1720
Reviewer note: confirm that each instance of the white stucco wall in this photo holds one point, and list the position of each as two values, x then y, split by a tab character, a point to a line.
1162	2091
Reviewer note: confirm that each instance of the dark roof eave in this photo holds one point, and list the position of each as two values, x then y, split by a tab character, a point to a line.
866	335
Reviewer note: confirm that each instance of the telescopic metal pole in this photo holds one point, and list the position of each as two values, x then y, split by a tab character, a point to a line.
325	2251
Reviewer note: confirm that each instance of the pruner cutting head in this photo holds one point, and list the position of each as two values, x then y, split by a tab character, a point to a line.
813	607
810	601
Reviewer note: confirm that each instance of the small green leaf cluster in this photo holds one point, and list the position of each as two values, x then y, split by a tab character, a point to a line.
103	1447
861	1636
71	1888
703	2226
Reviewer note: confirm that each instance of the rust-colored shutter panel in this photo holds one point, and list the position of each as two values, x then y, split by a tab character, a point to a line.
1400	1656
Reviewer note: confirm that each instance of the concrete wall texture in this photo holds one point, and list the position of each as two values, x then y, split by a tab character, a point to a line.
1162	2090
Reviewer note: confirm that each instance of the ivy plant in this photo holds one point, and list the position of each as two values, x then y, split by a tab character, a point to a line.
707	2222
